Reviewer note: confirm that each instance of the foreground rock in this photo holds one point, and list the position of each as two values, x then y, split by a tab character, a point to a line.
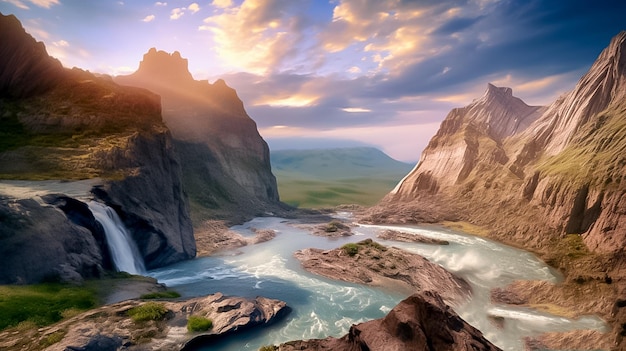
421	322
110	326
368	262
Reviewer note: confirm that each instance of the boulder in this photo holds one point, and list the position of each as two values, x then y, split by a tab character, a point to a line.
420	322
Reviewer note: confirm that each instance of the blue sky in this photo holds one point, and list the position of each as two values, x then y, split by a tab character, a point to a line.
374	72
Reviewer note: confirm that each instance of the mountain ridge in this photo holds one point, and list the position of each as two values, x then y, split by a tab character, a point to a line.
557	187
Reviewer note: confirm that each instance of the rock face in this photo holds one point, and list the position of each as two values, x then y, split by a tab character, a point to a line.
225	161
542	178
109	327
421	322
40	242
25	69
57	123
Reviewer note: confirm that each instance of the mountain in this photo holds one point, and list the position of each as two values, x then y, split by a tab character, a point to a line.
550	179
330	177
226	163
68	124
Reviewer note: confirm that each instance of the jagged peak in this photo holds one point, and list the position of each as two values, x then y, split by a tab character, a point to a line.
25	66
165	65
493	90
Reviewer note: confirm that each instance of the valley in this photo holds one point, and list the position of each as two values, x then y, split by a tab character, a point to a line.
148	211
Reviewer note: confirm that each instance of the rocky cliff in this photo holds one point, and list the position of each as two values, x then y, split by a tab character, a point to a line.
225	161
548	179
57	123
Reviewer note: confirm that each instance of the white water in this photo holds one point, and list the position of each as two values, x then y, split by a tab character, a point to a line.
123	249
323	307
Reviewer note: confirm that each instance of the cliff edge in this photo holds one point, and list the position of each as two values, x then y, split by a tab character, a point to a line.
68	124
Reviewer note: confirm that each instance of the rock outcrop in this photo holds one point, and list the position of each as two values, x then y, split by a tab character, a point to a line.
549	179
420	322
112	326
39	242
58	123
225	161
368	262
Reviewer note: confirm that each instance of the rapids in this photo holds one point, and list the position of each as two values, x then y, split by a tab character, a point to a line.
323	307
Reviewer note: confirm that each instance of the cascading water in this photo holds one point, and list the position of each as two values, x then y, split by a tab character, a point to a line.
124	251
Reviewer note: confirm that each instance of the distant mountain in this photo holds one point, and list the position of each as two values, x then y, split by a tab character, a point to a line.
329	177
550	179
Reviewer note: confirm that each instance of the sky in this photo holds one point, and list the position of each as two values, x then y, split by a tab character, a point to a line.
326	73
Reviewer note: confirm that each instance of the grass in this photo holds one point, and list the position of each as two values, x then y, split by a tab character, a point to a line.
312	193
42	304
352	249
150	311
170	294
466	227
268	348
596	156
199	324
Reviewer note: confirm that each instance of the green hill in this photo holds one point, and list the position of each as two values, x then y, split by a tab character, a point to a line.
330	177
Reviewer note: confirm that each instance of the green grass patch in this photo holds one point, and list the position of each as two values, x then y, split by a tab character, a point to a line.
199	324
170	294
303	192
42	304
52	339
150	311
350	249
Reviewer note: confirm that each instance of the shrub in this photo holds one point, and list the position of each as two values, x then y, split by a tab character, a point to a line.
351	249
151	311
52	339
268	348
170	294
198	324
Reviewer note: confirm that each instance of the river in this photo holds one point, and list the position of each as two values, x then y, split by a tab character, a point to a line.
323	307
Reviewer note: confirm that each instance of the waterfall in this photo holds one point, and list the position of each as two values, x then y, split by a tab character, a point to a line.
123	249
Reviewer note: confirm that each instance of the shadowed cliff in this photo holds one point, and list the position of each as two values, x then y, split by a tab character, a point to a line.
225	161
68	124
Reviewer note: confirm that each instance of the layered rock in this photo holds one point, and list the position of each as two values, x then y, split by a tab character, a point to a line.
553	185
58	123
109	327
225	161
420	322
368	262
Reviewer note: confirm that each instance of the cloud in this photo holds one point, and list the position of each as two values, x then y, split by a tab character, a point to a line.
256	36
18	4
159	3
148	18
222	4
193	7
177	13
61	43
45	3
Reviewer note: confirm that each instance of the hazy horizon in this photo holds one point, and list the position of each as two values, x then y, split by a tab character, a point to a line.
381	73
